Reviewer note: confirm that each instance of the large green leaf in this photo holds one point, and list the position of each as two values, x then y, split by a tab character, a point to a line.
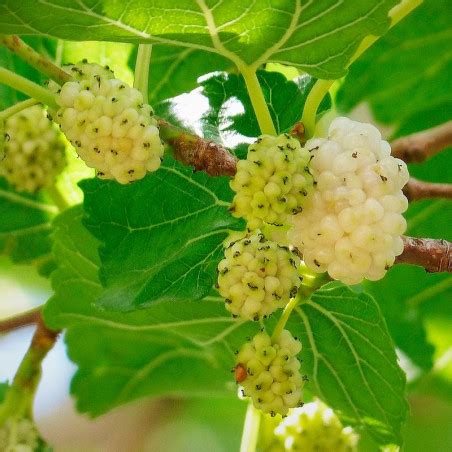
350	358
316	36
25	228
183	348
163	236
407	71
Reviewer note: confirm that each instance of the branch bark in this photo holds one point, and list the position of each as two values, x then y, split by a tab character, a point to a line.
432	254
204	155
422	145
18	321
416	189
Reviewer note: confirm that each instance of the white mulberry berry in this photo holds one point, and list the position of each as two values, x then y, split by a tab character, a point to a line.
272	379
352	222
315	428
272	183
257	276
19	435
34	151
108	124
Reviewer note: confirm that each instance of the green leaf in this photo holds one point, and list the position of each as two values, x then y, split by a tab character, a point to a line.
175	70
227	115
25	228
400	294
163	236
318	37
351	362
409	67
183	348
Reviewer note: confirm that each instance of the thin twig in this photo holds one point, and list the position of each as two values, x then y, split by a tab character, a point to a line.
422	145
18	321
432	254
204	155
417	189
35	59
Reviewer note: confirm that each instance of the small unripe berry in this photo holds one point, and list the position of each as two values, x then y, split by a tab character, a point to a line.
34	151
273	379
107	122
352	221
272	183
257	276
19	435
315	428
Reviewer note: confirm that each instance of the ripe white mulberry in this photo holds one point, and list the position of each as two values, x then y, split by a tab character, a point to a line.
315	428
34	151
352	222
257	276
272	183
107	122
19	435
269	372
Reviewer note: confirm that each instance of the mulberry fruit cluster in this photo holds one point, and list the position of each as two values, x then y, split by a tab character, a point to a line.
352	222
34	151
315	428
257	276
107	122
272	380
272	183
19	435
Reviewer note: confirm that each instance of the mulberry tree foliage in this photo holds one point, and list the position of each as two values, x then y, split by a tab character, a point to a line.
166	278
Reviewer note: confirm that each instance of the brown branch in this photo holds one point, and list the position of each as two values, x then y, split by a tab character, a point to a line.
432	254
204	155
422	145
416	189
18	321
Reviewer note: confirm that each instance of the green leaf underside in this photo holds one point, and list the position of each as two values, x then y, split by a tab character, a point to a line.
162	236
171	348
25	228
350	359
316	36
409	67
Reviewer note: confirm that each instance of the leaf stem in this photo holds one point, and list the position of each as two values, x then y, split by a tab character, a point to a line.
19	396
29	317
258	100
27	87
250	429
16	108
321	87
35	59
142	70
57	197
315	97
285	317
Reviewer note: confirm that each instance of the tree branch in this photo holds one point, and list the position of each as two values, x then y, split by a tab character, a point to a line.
422	145
416	189
432	254
204	155
18	321
19	396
